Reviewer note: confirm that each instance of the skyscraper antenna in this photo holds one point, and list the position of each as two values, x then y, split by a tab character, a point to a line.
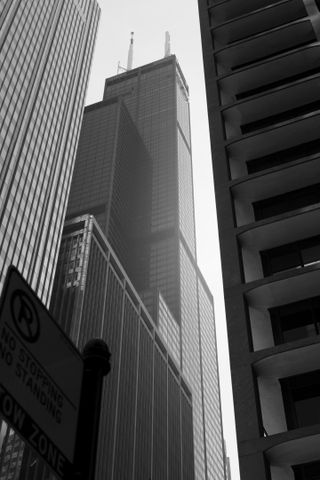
167	45
130	53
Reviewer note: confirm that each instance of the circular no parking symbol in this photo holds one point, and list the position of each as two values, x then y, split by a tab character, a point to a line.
25	317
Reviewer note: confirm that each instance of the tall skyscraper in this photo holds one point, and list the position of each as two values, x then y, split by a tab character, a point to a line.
45	53
146	417
262	67
169	282
112	181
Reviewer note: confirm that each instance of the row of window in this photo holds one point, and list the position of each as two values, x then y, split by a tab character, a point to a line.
280	117
301	395
301	400
286	202
292	255
309	471
296	320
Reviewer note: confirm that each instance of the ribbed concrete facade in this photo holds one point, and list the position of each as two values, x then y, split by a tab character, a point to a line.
46	50
262	69
45	54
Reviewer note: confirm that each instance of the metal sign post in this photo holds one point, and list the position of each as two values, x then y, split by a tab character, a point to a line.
96	358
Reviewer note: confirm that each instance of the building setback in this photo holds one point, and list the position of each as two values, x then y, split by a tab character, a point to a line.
45	54
262	65
146	417
112	181
166	276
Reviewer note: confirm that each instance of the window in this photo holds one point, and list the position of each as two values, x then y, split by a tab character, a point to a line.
307	471
276	51
278	83
292	255
287	202
301	397
296	320
284	156
280	117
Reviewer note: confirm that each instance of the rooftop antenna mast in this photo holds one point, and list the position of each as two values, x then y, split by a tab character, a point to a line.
167	51
130	53
120	69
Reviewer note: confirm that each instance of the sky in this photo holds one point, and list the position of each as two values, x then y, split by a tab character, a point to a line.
149	20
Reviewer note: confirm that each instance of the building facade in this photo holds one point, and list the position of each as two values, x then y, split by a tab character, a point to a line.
112	181
11	454
262	67
157	99
45	54
166	276
146	418
227	464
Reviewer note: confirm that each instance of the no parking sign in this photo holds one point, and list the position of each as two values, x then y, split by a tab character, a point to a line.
40	375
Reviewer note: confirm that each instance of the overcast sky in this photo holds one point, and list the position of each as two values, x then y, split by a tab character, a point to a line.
149	20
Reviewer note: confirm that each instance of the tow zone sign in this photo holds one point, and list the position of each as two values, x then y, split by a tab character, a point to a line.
40	375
